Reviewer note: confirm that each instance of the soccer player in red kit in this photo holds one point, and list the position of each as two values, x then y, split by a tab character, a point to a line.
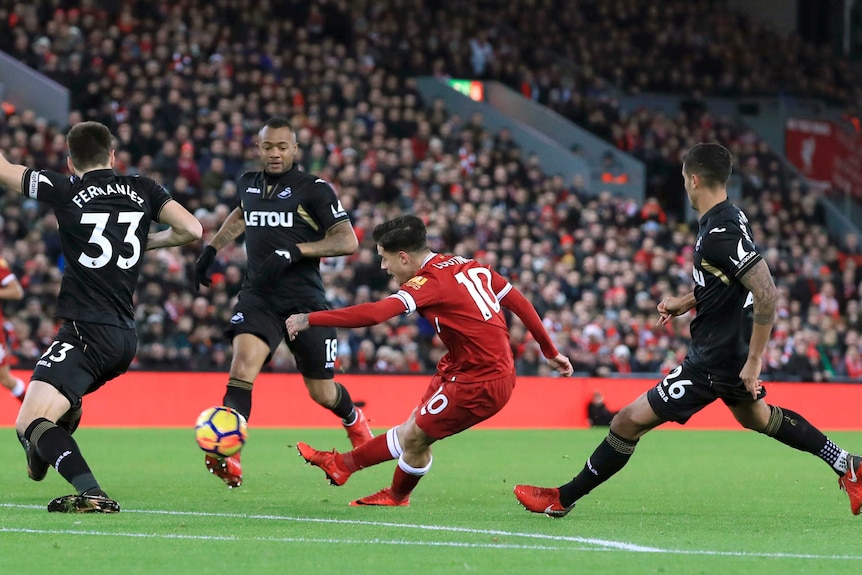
10	288
463	300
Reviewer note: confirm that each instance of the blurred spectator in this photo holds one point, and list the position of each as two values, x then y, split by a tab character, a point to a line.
852	364
802	364
597	412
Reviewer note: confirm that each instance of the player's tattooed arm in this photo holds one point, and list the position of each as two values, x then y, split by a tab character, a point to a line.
340	240
232	228
758	280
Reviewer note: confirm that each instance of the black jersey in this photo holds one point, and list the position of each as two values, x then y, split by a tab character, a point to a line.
721	330
104	220
293	208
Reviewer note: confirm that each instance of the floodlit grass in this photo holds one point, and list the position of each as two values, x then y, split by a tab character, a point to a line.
689	502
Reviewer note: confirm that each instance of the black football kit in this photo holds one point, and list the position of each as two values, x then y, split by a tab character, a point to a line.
103	222
721	330
280	212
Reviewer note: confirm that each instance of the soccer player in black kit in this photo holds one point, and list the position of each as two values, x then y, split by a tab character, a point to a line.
104	225
291	219
734	296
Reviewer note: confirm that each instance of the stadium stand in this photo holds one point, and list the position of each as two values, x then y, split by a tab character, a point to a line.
185	86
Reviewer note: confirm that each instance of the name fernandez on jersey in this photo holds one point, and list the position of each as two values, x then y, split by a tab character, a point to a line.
92	192
86	194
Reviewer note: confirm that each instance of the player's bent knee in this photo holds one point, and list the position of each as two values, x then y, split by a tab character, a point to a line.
757	416
634	420
23	421
413	439
755	423
624	426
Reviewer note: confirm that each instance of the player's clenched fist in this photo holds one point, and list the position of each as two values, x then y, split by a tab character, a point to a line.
202	266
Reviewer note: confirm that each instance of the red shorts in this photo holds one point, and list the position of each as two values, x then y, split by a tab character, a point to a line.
449	407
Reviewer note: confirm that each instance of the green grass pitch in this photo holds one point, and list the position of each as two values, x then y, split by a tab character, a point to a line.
688	502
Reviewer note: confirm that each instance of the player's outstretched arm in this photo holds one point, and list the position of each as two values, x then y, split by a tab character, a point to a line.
184	227
296	323
11	174
362	315
515	301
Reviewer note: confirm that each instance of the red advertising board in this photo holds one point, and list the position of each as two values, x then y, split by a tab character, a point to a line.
141	399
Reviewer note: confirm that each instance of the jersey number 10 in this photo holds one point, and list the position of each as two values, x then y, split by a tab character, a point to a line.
479	287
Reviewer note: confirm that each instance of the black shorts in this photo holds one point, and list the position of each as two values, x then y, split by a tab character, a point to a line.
686	390
314	349
84	356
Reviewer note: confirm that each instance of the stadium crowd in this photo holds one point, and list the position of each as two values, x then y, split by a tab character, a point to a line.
185	86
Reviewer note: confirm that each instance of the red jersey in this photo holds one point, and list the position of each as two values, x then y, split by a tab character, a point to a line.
462	301
6	276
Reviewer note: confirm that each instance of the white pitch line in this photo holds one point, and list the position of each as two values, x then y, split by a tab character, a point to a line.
598	544
295	539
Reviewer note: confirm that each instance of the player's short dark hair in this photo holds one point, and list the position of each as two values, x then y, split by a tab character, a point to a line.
276	122
89	145
404	233
712	162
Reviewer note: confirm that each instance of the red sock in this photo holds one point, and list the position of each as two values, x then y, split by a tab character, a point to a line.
368	454
403	483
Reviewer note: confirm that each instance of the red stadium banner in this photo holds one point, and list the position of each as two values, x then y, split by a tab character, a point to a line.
142	399
811	146
825	153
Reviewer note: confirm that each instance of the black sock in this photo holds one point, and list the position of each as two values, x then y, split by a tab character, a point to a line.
238	396
56	446
343	407
609	457
792	429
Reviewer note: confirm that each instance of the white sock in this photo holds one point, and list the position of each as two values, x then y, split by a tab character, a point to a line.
395	449
840	464
420	471
19	388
